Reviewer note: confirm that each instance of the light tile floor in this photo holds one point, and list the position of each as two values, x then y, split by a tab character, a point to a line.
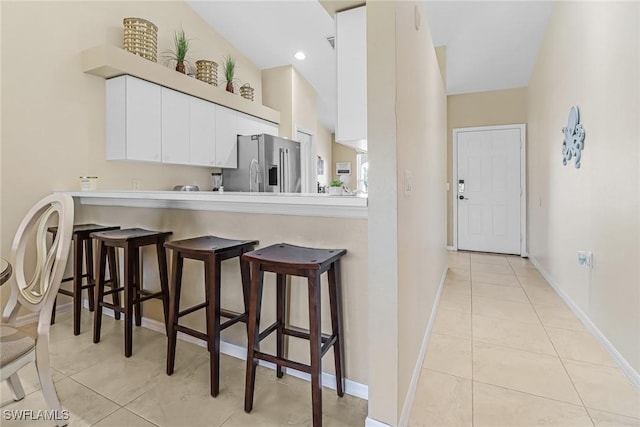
506	351
100	387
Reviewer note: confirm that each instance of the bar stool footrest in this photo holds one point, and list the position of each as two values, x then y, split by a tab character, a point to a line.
113	291
147	296
267	331
282	362
192	309
192	332
112	307
294	331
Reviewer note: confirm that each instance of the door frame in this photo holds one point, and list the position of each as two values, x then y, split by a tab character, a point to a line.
523	180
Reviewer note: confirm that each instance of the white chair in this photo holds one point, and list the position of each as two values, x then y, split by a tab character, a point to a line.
37	295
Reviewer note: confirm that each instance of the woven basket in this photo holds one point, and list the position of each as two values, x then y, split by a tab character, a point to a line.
141	38
246	91
207	71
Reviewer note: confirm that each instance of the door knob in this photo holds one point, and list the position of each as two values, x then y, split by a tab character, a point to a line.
462	198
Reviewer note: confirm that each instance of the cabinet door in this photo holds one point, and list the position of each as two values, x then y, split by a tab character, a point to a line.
351	63
175	127
249	125
202	132
116	118
226	137
143	120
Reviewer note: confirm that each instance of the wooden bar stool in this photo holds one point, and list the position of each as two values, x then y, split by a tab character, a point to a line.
284	259
83	248
212	251
131	240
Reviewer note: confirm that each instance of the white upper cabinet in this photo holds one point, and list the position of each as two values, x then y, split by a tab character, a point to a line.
175	127
148	122
202	132
226	137
351	61
133	120
249	125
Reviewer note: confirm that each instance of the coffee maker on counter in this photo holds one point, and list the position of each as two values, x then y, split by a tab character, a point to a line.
216	178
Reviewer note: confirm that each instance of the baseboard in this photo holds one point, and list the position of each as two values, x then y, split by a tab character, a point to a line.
33	317
411	393
328	380
370	422
452	248
622	363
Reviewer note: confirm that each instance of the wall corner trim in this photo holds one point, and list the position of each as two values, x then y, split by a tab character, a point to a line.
411	393
622	363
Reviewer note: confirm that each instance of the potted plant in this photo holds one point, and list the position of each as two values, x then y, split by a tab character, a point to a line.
179	54
335	188
229	66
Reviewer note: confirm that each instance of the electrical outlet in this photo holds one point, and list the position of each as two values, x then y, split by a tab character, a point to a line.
408	183
585	258
135	184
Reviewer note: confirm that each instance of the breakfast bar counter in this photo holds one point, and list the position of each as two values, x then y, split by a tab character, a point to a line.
259	203
310	220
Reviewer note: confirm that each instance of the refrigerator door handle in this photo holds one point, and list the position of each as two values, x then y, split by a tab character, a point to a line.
281	170
287	184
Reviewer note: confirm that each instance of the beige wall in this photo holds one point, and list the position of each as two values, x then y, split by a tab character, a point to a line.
53	115
596	207
497	107
325	143
407	237
342	153
421	108
278	94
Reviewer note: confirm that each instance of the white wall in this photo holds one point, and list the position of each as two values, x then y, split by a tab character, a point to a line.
590	57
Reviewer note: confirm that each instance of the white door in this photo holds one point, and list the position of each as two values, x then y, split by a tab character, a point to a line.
488	190
309	174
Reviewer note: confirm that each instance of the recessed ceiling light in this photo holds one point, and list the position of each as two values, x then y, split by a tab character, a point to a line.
300	55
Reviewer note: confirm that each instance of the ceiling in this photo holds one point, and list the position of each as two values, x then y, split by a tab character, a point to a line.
490	45
270	32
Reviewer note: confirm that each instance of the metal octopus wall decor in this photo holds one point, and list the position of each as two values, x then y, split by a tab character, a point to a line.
573	138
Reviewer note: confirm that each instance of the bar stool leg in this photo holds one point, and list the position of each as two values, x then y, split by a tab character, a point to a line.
129	292
77	285
174	309
164	282
335	301
113	280
281	291
212	282
91	278
245	274
137	285
253	342
315	339
97	315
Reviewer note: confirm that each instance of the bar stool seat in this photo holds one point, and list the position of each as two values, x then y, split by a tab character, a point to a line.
212	250
130	240
83	248
285	259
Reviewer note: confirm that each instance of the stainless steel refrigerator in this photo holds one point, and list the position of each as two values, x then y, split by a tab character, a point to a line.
266	163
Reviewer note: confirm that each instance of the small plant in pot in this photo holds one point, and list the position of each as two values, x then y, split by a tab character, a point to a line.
335	188
179	53
229	65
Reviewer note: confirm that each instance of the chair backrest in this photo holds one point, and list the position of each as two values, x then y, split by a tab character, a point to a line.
39	293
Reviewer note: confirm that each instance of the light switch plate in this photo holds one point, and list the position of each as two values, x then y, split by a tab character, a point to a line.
585	258
408	183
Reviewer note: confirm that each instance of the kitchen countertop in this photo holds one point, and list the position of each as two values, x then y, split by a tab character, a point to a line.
261	203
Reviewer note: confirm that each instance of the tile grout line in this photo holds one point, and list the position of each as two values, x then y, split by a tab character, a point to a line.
471	320
118	406
559	358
